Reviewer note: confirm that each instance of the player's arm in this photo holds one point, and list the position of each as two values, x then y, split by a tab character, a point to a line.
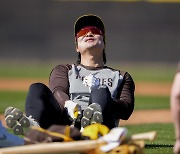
175	103
59	84
123	106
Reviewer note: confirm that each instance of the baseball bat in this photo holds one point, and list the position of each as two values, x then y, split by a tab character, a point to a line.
63	147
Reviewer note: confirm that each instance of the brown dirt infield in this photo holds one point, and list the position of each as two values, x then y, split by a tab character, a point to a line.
142	88
138	117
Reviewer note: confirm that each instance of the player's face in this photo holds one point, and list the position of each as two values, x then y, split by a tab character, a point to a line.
91	39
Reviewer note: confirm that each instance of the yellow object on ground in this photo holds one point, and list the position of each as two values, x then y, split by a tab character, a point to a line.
94	131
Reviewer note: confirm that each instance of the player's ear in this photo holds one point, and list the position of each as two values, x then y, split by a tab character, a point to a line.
76	44
77	50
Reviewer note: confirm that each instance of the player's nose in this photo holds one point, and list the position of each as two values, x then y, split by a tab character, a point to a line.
89	34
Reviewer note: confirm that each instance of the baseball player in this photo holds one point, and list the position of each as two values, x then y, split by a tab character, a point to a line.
79	94
175	108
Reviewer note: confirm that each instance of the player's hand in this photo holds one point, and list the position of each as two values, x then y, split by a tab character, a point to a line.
73	109
177	147
91	81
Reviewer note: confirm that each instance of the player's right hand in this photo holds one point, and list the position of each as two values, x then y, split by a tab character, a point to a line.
91	81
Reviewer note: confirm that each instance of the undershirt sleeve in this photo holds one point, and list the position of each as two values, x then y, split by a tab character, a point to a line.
59	84
123	105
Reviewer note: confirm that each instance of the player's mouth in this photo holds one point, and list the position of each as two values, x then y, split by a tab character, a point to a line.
89	40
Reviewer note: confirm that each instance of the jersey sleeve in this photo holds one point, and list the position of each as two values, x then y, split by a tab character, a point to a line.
123	105
59	84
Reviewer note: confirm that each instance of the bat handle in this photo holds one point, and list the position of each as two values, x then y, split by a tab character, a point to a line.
73	123
144	136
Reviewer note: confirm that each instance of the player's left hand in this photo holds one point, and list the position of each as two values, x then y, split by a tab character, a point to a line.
73	109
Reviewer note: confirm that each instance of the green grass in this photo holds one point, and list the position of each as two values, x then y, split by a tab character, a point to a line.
153	74
25	70
163	144
15	99
151	102
139	72
149	72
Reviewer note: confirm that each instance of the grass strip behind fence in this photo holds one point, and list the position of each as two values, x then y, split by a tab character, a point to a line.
151	102
12	98
139	72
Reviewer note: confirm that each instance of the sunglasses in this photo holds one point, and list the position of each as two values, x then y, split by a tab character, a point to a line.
87	29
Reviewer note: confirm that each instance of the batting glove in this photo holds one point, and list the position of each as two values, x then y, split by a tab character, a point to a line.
91	81
73	109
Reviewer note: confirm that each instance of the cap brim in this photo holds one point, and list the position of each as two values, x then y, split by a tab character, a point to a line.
88	20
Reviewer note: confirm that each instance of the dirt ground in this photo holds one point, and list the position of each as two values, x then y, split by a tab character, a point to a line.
138	117
143	88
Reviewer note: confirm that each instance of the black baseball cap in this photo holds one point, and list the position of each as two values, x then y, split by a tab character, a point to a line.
89	20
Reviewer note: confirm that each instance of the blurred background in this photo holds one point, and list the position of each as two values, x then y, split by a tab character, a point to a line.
136	31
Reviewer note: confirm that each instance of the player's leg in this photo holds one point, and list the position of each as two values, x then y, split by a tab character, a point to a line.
41	109
42	106
99	110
